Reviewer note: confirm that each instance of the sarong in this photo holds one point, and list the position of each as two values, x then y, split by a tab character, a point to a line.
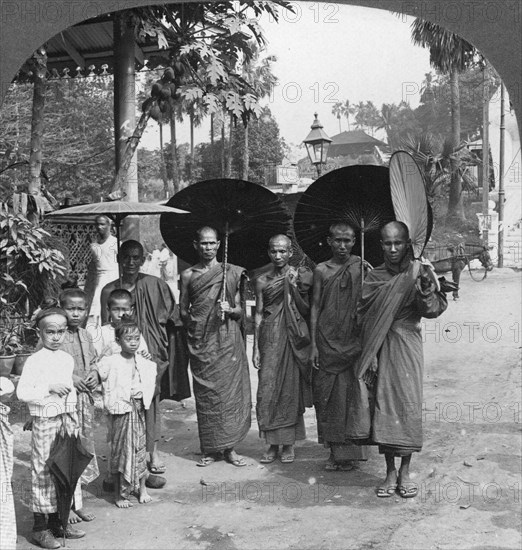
44	434
7	510
218	363
129	457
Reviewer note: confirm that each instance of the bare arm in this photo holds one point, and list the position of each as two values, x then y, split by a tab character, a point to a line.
258	317
104	297
184	300
314	313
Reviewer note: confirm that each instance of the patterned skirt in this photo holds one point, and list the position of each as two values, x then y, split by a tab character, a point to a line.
128	456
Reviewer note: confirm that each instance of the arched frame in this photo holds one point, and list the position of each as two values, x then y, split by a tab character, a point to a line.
492	26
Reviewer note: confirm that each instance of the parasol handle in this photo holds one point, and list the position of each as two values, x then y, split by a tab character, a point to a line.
362	252
224	282
117	226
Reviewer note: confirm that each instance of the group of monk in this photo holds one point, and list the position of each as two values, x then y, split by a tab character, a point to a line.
351	349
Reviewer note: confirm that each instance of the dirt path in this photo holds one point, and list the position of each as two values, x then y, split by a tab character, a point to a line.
469	471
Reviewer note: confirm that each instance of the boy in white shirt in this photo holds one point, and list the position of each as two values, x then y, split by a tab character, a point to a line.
46	385
128	381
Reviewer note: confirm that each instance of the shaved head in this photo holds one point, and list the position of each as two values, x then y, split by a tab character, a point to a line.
341	226
131	245
280	239
397	226
206	229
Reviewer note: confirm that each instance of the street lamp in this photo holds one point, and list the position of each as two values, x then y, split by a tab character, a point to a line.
317	143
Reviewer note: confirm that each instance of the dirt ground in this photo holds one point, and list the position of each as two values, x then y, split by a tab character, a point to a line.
469	471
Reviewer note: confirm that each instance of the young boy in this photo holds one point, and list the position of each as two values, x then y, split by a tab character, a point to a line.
119	304
77	342
128	381
47	386
7	509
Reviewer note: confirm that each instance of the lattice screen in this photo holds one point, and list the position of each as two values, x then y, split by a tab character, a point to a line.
77	237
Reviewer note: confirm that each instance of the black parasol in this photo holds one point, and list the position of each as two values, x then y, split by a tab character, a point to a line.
66	463
248	213
358	195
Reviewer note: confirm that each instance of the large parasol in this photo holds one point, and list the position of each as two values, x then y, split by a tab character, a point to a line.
117	211
358	195
245	215
410	201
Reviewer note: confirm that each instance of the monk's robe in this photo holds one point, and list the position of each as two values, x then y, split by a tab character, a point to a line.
391	364
284	348
158	319
339	348
218	361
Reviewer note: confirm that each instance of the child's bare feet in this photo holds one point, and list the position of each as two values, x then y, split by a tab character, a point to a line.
144	497
74	517
83	515
123	503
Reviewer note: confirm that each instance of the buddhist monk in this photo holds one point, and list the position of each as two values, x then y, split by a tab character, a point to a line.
282	352
159	321
395	296
218	359
335	346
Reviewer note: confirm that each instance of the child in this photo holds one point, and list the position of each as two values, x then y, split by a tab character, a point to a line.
77	342
47	386
7	510
128	381
119	304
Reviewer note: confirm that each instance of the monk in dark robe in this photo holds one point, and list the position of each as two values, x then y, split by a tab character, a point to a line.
335	346
217	351
394	298
157	317
282	351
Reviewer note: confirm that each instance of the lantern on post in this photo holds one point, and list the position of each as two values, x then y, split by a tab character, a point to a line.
317	143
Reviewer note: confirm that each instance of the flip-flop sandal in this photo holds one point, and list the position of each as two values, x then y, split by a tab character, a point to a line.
268	458
205	461
407	491
386	492
346	466
160	469
331	466
238	462
287	459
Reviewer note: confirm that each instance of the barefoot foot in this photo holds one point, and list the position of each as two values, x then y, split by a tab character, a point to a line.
74	517
123	503
144	497
84	516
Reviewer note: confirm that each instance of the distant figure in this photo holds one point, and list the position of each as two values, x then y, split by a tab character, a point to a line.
103	267
169	270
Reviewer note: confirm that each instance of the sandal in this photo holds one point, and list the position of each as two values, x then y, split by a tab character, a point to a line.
287	459
239	461
159	469
386	492
331	466
268	458
407	490
205	461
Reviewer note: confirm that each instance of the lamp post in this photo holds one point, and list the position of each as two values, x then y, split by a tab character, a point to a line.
317	143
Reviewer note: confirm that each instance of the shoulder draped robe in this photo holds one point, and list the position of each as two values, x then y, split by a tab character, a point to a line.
284	347
218	362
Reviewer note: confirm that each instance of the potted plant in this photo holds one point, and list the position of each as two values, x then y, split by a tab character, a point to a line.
33	266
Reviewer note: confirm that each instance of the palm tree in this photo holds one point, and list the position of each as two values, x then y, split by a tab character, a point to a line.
338	110
449	54
347	110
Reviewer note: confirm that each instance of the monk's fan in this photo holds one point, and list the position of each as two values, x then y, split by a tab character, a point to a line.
410	202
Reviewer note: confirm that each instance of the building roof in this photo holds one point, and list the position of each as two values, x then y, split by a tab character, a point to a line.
356	142
89	46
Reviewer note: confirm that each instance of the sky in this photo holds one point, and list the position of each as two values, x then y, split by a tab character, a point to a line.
327	53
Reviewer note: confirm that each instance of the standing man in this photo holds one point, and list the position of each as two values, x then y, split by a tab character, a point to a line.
282	352
394	298
217	351
103	267
157	317
335	347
